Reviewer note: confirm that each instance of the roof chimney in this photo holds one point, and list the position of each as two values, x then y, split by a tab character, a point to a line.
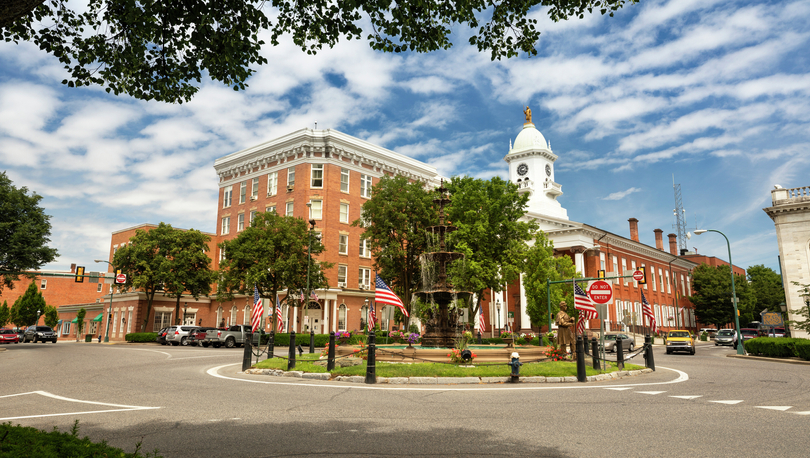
633	229
673	244
73	268
659	239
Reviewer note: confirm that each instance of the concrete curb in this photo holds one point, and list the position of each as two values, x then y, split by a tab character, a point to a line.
445	380
774	360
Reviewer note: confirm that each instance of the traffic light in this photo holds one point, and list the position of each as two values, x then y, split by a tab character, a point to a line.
643	270
79	275
600	274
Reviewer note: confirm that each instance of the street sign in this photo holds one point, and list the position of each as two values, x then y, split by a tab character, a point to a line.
772	319
627	320
600	292
638	275
121	278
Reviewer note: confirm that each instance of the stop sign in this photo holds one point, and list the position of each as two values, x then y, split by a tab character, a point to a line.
638	275
121	278
600	292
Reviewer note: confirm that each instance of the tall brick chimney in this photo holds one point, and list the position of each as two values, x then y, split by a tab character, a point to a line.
673	244
659	239
73	268
633	229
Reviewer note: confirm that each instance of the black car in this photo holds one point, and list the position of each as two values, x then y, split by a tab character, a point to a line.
39	334
161	336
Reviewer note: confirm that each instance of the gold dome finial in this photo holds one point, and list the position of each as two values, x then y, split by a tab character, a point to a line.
528	113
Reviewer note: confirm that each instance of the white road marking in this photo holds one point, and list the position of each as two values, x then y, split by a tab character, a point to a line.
650	392
727	402
801	413
687	397
781	408
618	389
122	408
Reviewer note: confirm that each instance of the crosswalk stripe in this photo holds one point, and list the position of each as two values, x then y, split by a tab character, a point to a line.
650	392
727	402
782	408
618	389
687	397
801	413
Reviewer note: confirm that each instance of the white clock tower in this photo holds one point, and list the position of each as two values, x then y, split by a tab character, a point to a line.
531	167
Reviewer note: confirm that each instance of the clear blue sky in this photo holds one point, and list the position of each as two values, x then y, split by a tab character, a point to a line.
715	92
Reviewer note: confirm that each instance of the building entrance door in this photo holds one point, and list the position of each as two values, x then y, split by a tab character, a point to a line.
314	318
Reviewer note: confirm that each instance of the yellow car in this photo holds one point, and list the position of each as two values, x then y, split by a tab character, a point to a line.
680	340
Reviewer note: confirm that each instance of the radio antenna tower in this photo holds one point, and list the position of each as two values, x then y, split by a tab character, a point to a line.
680	217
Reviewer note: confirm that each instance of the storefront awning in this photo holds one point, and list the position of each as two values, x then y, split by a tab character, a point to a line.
98	318
75	320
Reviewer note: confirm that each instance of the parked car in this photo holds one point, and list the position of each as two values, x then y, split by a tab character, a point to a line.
771	332
747	334
198	337
680	340
724	337
20	334
710	331
161	336
39	334
628	342
178	335
8	336
232	337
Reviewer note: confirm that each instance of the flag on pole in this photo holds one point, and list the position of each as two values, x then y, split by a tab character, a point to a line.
279	317
258	310
482	326
648	313
314	296
384	294
586	309
372	318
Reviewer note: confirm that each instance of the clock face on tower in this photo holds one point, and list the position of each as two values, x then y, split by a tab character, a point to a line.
548	170
522	169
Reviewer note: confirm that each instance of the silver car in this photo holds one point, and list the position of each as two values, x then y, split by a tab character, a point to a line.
178	335
724	337
628	343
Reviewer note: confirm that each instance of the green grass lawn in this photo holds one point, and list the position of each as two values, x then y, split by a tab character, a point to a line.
546	368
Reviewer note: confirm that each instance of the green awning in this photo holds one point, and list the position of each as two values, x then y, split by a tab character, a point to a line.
75	320
98	318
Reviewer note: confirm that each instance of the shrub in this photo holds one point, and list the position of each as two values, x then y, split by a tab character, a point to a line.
141	337
28	441
802	348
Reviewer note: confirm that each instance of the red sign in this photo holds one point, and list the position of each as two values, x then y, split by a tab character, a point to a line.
638	275
600	292
121	278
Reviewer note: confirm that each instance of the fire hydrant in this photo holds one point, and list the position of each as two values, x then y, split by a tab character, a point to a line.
515	366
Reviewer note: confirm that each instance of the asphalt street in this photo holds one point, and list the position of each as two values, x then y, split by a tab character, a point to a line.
186	401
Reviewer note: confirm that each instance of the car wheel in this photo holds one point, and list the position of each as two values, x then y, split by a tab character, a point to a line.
54	341
205	344
692	352
174	344
35	339
230	342
216	345
630	348
669	352
183	342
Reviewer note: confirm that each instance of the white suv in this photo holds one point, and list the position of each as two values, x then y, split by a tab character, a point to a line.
178	335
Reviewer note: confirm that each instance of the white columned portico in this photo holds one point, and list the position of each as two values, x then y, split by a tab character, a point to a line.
525	322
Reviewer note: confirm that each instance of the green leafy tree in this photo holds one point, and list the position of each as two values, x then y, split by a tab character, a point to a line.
802	311
766	286
712	296
5	315
189	270
51	316
542	265
24	233
272	255
147	262
162	50
25	308
395	220
486	214
80	322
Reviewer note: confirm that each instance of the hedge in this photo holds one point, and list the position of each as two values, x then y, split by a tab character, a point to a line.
27	441
141	337
778	347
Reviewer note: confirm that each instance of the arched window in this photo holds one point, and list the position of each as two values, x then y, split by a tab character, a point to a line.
220	321
232	321
342	317
363	317
247	315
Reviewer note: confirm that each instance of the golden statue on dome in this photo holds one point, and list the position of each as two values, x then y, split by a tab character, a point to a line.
528	113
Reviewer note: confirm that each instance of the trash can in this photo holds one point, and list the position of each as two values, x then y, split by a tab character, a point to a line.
88	338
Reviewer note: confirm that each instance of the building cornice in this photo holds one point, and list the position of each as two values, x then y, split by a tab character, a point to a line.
512	156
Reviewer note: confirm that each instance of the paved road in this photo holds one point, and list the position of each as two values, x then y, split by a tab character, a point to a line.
167	398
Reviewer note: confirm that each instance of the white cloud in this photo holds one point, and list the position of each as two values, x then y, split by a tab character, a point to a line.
619	195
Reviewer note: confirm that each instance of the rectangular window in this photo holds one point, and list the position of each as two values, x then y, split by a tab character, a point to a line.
290	177
226	226
652	278
616	270
66	327
365	278
364	251
254	191
240	223
344	180
649	273
252	216
633	264
344	213
242	191
317	176
624	267
343	244
162	320
221	254
289	209
365	186
342	269
316	209
272	184
226	197
342	317
98	287
683	286
602	261
661	279
688	286
669	284
43	284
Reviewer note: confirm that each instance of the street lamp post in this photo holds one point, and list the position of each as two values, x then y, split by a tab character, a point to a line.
498	314
740	348
109	309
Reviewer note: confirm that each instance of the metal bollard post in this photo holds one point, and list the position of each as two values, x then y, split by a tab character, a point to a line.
587	345
371	369
619	353
330	361
312	341
247	355
595	353
648	352
581	374
291	355
479	338
271	345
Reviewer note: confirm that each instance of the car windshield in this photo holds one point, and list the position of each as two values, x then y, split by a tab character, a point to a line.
749	332
726	332
7	331
679	334
610	337
44	329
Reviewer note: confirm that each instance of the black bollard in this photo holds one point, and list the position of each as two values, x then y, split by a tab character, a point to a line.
291	355
619	353
581	374
312	341
595	353
330	361
587	345
371	370
271	345
648	352
247	355
479	338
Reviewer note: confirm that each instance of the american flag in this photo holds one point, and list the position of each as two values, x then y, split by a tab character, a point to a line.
258	310
278	316
647	311
384	294
482	327
586	309
372	318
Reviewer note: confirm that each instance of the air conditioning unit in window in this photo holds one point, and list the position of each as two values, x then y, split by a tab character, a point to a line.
252	198
290	188
341	284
